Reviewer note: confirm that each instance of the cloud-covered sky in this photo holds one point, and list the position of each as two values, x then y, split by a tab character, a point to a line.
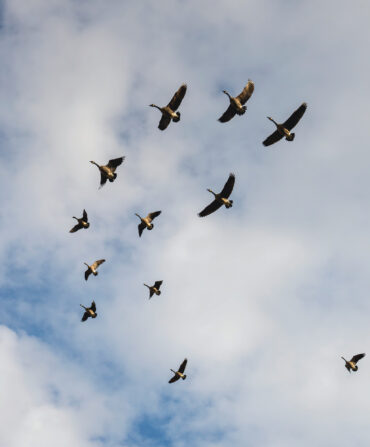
263	299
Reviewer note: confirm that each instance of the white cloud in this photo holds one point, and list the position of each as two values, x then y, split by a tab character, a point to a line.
46	398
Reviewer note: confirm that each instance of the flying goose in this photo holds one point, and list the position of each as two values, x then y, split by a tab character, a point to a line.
92	268
146	221
89	311
220	199
169	111
237	106
351	365
108	172
283	130
82	223
154	289
179	374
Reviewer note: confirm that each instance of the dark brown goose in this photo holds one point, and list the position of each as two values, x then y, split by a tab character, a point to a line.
352	364
82	223
89	311
220	199
146	222
108	172
237	106
92	268
154	289
169	111
283	130
180	373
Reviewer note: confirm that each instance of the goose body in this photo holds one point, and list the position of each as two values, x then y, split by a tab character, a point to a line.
89	311
237	106
351	365
180	373
284	129
221	198
82	223
169	111
146	222
108	171
92	268
154	289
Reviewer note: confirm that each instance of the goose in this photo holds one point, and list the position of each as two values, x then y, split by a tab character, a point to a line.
283	130
180	373
154	289
237	106
146	222
92	268
220	199
108	172
82	223
351	365
169	111
89	311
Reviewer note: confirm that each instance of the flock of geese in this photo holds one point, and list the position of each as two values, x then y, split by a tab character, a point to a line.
170	113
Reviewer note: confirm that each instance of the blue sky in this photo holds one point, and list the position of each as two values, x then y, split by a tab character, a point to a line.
263	299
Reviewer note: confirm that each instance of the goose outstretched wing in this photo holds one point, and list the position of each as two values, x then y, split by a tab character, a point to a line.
295	117
357	357
230	113
97	263
177	98
93	306
228	188
183	366
141	227
158	284
103	179
114	163
273	138
87	273
153	215
76	228
246	93
175	378
84	216
164	122
211	208
85	316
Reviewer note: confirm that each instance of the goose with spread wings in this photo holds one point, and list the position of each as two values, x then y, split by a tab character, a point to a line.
284	129
154	289
146	222
82	223
220	199
237	106
89	311
92	268
351	365
180	373
108	171
169	111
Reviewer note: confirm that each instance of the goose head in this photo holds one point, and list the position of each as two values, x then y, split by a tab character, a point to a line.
210	190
